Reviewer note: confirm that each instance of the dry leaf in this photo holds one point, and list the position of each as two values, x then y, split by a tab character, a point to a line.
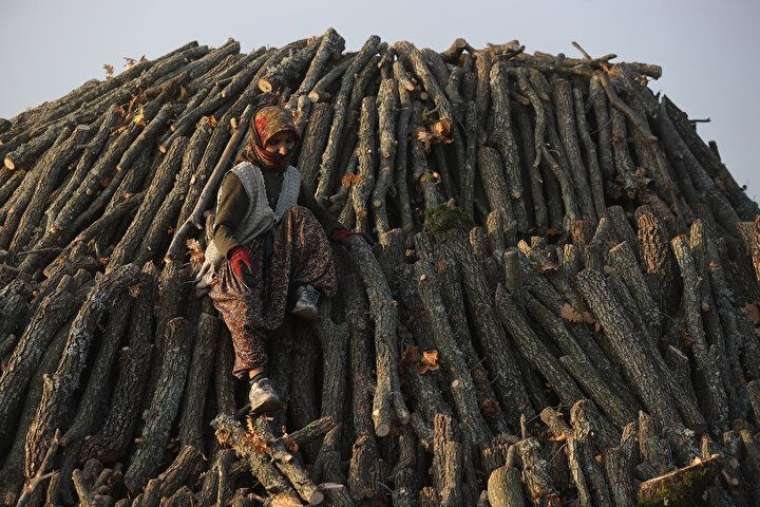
425	137
350	179
139	117
440	266
570	314
222	436
429	361
196	252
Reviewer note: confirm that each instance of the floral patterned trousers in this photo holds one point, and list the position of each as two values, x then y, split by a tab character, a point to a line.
294	252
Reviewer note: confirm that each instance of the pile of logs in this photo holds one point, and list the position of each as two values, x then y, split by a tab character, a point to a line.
560	304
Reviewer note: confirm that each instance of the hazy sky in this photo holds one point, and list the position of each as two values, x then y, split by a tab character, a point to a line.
708	50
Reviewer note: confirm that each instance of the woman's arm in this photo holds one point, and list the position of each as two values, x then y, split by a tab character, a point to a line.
232	204
307	200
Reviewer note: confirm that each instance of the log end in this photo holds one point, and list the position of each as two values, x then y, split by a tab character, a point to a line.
382	429
316	498
9	163
265	86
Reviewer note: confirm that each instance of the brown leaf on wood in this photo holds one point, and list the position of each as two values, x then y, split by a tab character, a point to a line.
139	117
211	121
222	436
196	253
440	266
426	138
429	361
350	179
570	314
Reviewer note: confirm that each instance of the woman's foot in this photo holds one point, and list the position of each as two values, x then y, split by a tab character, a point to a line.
307	303
262	396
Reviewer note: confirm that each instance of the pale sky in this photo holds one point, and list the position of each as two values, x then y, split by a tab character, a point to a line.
708	50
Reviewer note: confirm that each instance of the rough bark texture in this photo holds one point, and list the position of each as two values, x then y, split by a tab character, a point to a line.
554	298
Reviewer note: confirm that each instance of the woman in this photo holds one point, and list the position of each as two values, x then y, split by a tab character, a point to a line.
268	236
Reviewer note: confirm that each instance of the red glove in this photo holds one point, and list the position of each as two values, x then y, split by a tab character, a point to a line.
241	264
342	234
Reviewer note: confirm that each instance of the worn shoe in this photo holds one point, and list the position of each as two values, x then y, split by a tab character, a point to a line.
307	303
262	397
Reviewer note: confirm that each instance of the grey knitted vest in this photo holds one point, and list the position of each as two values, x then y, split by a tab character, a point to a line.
259	217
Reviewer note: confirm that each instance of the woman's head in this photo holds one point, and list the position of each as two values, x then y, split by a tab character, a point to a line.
272	137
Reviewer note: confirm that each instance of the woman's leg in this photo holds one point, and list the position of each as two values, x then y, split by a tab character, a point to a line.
248	342
311	260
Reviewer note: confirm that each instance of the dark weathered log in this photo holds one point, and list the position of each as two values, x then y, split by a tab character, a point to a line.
387	399
314	139
329	466
161	227
191	425
320	92
12	472
388	104
19	368
502	136
361	190
452	358
508	385
329	156
60	388
618	464
637	367
204	198
149	456
566	124
596	180
331	44
447	461
497	190
705	355
50	168
22	156
154	196
97	388
505	489
286	72
533	349
446	116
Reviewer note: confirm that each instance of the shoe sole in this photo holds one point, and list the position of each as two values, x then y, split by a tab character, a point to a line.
272	405
305	314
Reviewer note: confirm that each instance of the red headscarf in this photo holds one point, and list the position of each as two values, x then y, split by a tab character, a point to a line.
265	123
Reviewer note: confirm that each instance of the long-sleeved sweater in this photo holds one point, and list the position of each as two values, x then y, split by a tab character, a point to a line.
233	204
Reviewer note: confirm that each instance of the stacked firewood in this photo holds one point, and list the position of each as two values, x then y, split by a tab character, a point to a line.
559	305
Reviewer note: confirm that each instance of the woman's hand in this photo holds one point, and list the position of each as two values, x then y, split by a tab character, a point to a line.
242	265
